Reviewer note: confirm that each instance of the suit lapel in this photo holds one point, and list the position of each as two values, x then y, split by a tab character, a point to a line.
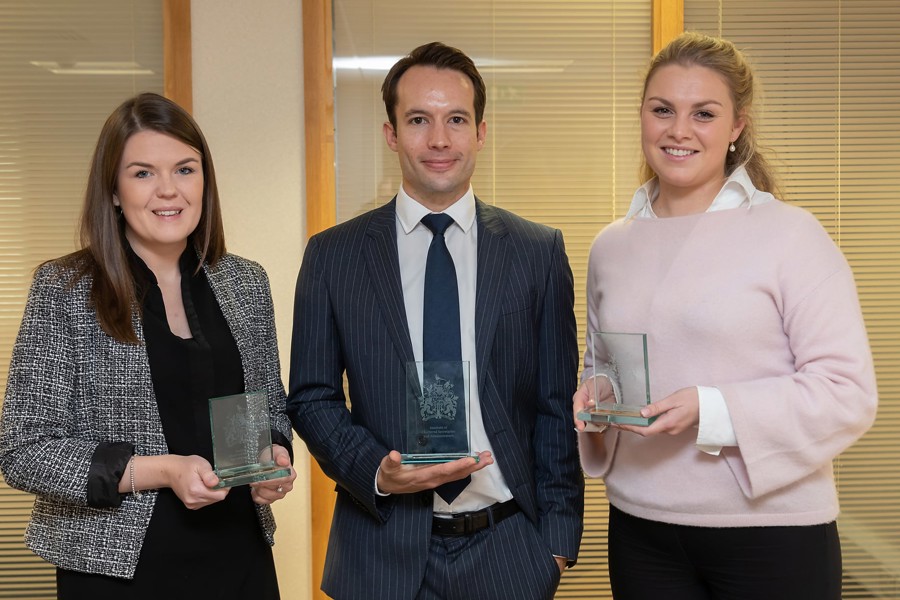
384	272
493	268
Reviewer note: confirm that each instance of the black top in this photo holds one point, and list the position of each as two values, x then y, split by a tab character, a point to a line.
217	551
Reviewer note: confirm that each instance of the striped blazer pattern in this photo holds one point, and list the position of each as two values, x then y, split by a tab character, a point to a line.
72	387
349	318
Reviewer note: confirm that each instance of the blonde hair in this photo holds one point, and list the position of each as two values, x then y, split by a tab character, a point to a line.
721	56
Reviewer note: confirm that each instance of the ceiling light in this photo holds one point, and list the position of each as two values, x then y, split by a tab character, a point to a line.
485	65
93	68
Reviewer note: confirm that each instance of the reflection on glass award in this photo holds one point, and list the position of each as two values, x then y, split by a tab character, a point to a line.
619	397
242	439
437	411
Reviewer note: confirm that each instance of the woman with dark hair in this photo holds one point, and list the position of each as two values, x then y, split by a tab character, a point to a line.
760	368
121	346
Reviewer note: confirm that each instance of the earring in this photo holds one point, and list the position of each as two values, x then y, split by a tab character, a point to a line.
731	148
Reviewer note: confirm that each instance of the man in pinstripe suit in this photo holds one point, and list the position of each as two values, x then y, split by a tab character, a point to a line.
358	311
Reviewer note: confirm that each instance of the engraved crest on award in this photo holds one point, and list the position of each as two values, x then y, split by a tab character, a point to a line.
620	387
437	411
439	399
242	439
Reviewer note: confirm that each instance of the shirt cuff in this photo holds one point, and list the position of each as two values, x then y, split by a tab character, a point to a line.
613	382
280	439
716	429
377	491
108	464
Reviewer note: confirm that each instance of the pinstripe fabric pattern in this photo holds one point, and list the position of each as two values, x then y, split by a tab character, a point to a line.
71	386
456	565
349	318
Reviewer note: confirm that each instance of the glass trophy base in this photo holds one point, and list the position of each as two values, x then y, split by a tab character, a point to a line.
416	459
611	412
249	474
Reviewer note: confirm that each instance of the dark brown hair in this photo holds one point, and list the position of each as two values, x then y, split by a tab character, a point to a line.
439	56
102	255
722	57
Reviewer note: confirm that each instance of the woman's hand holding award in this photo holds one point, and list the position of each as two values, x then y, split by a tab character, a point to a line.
620	387
242	440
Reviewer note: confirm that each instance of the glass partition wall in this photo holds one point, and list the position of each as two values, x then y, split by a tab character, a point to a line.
64	66
831	114
564	80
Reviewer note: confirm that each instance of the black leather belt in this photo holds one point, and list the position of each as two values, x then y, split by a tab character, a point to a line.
468	523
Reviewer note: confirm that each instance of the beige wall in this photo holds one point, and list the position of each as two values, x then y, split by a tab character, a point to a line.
248	98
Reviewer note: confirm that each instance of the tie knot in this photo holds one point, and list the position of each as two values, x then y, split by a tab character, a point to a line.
437	223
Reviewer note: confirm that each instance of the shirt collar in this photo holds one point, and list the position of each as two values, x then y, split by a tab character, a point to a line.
737	190
144	277
410	212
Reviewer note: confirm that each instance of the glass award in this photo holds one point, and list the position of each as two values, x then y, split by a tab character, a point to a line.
437	412
620	387
242	439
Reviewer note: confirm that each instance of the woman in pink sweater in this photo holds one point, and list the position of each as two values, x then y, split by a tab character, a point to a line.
760	366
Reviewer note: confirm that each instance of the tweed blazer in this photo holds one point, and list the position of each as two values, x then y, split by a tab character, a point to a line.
71	387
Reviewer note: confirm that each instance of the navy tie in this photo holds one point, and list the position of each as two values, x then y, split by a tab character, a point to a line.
441	337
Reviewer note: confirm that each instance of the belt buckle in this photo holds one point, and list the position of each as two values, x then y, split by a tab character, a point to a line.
468	523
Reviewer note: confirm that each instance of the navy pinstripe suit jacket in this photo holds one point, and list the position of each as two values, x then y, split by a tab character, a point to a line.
349	317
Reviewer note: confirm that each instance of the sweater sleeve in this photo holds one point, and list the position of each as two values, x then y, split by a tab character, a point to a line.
791	426
595	450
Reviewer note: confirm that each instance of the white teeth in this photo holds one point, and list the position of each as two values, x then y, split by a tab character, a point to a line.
677	152
167	213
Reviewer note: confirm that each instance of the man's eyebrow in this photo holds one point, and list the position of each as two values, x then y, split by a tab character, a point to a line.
421	111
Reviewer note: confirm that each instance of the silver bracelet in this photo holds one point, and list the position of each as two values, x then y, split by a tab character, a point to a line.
134	492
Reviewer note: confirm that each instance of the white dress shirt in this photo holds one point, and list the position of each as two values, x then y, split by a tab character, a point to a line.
413	239
716	429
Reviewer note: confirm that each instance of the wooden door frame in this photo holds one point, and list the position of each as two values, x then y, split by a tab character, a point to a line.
177	57
321	213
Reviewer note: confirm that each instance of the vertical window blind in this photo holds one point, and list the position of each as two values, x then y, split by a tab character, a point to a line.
64	66
830	71
563	143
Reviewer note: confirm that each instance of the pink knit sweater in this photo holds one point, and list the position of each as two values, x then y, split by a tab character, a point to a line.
760	303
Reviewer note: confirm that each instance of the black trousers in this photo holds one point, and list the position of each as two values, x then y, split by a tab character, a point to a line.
649	560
